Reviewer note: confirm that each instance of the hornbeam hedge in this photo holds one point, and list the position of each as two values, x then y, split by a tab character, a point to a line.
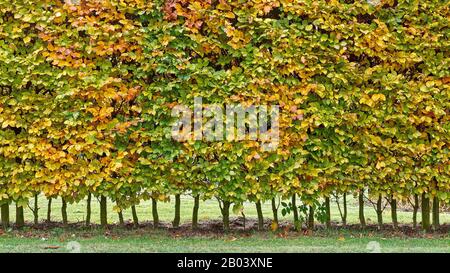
88	86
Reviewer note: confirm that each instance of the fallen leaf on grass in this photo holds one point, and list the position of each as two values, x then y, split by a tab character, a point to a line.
232	239
52	247
282	234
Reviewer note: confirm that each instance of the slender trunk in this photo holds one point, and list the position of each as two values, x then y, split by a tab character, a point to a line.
135	216
155	213
20	218
344	216
49	210
226	215
425	213
297	224
436	223
311	218
36	210
260	216
394	212
415	210
380	212
275	211
64	212
362	218
176	219
328	212
103	212
121	221
88	210
195	212
5	215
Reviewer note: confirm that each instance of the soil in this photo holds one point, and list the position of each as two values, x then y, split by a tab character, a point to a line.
213	228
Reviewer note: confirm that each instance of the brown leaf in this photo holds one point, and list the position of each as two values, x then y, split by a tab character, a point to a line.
52	247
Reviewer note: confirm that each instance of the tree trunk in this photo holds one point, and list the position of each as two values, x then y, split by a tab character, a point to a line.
64	212
311	218
121	221
155	213
297	224
362	218
135	216
415	210
20	218
176	219
195	212
88	210
103	212
5	215
344	216
49	210
328	212
436	223
394	212
260	216
36	210
275	211
425	213
226	215
380	212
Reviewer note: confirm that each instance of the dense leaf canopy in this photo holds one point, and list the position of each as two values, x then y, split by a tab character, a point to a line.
87	90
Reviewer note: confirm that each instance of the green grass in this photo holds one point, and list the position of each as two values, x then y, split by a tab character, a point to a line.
163	241
146	239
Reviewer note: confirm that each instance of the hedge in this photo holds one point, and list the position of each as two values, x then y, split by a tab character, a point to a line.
88	87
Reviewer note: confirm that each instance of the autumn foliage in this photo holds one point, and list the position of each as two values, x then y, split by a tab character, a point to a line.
87	89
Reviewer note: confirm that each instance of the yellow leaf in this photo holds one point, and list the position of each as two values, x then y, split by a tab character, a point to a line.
274	226
230	15
380	165
223	6
378	97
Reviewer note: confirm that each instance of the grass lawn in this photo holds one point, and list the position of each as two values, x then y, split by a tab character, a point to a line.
164	242
48	238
